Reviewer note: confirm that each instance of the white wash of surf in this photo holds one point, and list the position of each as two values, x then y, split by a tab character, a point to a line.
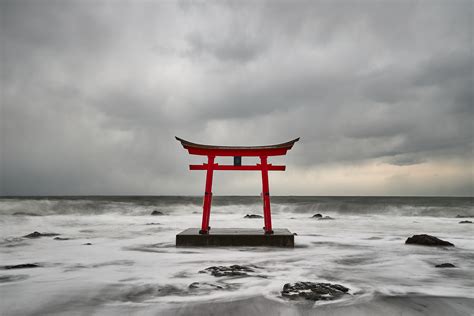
131	263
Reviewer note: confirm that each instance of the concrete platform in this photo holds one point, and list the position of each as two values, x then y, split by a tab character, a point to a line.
190	237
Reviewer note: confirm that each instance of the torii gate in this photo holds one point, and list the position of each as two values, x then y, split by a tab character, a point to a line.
237	152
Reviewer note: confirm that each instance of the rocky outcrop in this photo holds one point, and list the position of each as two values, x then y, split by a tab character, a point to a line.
233	270
252	216
156	213
317	215
427	240
465	222
38	235
25	214
313	291
445	265
61	238
325	218
463	216
21	266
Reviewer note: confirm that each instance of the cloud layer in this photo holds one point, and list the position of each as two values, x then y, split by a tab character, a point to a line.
93	92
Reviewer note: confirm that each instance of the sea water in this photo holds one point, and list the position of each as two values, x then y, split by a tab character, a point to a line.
132	262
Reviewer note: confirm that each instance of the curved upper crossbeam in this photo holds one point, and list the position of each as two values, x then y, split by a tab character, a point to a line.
268	150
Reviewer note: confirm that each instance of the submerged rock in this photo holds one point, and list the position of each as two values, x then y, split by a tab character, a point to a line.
61	238
87	244
325	218
465	222
233	270
205	286
427	240
463	216
155	213
445	265
38	235
253	216
313	291
21	266
317	215
152	224
25	214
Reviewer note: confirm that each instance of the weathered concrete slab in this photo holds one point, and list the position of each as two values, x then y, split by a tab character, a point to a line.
190	237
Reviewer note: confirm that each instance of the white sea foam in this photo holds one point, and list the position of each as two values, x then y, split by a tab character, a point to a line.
130	262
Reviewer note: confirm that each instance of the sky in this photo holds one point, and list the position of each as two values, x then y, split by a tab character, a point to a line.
93	93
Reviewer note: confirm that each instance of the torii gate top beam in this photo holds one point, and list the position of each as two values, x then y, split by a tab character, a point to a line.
254	151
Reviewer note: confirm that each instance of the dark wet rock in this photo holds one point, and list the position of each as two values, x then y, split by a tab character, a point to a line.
207	286
156	213
38	235
25	214
317	215
61	238
21	266
152	224
12	278
325	218
313	291
464	216
465	222
445	265
253	216
233	270
427	240
87	244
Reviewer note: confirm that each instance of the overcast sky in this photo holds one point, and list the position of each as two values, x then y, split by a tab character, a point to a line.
380	92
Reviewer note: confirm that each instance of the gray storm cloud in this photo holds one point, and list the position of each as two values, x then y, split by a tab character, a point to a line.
93	93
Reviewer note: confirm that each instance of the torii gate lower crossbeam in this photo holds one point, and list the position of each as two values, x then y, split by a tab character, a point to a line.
238	152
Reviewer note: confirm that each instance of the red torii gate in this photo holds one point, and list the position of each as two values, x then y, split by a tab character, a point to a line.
237	152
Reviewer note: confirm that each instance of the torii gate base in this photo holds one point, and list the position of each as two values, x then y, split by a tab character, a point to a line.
222	237
205	236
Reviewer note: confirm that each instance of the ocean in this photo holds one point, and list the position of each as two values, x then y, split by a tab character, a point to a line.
113	257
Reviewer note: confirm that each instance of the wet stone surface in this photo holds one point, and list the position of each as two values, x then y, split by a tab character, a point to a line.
313	291
21	266
445	265
427	240
253	216
208	287
38	235
233	270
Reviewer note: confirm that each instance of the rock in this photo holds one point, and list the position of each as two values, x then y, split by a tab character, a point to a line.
156	213
61	238
445	265
295	234
463	216
313	291
325	218
253	216
205	286
234	270
317	215
21	266
25	214
87	244
152	224
427	240
38	235
465	222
